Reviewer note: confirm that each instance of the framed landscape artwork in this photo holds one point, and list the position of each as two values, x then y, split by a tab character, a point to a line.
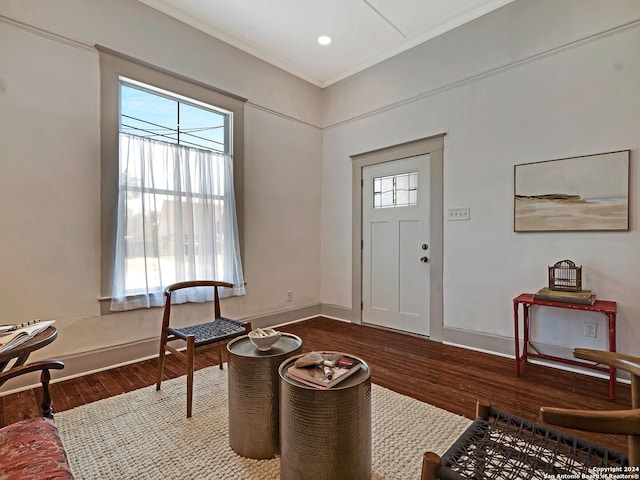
587	193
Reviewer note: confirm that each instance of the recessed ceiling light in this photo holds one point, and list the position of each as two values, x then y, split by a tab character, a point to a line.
324	40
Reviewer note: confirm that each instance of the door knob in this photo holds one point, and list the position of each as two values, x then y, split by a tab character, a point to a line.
424	259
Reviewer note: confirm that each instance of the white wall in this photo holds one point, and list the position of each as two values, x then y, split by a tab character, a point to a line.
535	80
50	183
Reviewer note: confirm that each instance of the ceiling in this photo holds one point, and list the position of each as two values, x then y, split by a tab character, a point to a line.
364	32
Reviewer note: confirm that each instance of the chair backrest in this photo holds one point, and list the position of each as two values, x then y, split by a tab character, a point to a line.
168	291
621	422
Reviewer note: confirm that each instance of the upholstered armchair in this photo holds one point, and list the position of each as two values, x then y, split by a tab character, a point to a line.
32	448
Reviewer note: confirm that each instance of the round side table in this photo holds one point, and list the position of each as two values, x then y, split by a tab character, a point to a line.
254	394
325	434
21	352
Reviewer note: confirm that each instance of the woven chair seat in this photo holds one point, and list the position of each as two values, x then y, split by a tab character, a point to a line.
508	447
219	330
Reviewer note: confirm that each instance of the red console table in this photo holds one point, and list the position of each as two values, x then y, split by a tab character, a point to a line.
606	307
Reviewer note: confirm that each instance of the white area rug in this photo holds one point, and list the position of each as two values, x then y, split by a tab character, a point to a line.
145	434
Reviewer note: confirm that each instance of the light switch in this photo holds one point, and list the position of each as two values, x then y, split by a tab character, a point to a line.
458	214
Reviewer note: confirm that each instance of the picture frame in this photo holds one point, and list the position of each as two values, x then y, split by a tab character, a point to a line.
584	193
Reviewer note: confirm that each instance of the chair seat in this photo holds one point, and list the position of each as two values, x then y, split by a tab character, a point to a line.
212	332
507	446
32	449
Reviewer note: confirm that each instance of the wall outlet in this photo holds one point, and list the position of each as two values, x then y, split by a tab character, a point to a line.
458	214
590	330
289	296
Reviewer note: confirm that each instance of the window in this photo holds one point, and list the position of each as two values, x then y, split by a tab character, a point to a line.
156	114
399	190
170	169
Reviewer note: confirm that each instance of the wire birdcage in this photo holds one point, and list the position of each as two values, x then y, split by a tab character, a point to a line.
565	276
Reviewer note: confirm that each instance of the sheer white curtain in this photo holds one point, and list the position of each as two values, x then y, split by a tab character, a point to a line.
176	222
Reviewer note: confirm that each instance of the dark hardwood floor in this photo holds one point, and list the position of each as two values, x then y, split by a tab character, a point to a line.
448	377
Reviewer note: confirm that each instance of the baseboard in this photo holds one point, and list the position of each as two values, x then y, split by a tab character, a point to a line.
336	312
504	346
84	363
283	317
482	342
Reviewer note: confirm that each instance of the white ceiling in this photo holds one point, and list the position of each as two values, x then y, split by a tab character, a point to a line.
364	32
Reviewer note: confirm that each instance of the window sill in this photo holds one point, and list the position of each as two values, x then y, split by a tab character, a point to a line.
105	307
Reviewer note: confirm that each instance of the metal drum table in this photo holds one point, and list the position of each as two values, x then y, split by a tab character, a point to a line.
254	392
325	434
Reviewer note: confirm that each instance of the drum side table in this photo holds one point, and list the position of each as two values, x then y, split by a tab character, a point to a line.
254	395
325	434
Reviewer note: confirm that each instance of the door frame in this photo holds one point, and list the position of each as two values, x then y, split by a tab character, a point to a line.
433	146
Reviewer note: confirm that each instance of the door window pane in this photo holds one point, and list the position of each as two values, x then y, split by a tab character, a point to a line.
399	190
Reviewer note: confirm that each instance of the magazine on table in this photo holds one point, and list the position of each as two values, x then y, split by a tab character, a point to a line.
15	326
13	335
325	377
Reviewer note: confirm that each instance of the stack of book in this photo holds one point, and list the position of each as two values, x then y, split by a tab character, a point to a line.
581	297
316	376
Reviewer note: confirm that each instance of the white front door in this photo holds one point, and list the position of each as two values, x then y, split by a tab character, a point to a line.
395	248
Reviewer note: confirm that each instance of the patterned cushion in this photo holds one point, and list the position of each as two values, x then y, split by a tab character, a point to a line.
32	449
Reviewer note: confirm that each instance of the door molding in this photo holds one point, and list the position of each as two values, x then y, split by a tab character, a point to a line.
433	146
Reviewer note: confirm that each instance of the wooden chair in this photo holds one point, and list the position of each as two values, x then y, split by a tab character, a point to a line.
619	422
498	445
200	337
